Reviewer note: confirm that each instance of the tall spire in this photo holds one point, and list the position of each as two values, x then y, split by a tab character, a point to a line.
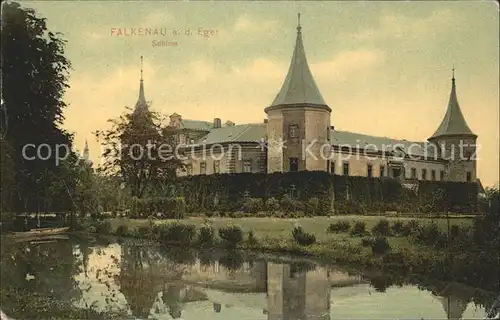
141	102
85	154
299	86
453	122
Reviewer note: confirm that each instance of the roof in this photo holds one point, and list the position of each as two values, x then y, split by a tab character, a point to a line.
453	122
196	125
299	86
353	140
253	132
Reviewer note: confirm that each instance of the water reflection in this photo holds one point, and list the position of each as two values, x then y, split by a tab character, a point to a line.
147	282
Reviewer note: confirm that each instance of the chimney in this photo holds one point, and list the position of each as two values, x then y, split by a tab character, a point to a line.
217	123
265	120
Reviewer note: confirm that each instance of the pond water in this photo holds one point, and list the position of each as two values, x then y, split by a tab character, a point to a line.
144	281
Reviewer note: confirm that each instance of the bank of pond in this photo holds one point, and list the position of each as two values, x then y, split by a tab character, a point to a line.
108	277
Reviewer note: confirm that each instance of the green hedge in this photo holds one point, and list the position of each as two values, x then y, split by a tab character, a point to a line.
313	193
230	192
170	208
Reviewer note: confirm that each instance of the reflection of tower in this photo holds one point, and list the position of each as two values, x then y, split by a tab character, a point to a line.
260	273
318	290
453	306
297	295
455	300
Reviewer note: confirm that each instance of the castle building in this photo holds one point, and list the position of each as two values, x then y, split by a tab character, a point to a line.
297	135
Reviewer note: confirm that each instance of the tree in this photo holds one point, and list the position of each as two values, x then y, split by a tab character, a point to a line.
140	151
34	79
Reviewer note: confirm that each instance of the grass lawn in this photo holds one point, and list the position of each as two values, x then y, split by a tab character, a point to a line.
281	228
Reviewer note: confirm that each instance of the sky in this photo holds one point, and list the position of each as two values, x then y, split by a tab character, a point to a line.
384	68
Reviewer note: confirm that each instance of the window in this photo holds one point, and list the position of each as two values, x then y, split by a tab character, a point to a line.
247	165
413	173
469	176
433	175
294	164
441	175
382	171
332	167
293	131
424	174
216	166
346	168
369	170
203	167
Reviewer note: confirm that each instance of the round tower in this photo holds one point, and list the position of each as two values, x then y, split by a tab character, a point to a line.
298	120
456	142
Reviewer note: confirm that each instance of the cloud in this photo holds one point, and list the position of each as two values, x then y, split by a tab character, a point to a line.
247	23
344	63
401	27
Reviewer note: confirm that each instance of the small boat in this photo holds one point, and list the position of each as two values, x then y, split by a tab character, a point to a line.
40	232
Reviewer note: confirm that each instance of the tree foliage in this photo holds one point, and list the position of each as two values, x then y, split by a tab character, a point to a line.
140	151
34	79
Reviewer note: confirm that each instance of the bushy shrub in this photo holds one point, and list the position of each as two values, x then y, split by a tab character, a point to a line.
122	230
454	231
410	228
359	228
169	208
382	228
209	214
205	236
252	205
367	241
176	233
251	239
103	227
380	245
339	226
143	231
231	235
287	204
430	235
272	205
397	227
312	207
303	238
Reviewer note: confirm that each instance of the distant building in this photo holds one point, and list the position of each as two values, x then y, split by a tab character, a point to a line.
297	135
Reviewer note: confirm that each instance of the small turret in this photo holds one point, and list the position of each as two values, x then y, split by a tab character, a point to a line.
298	119
456	142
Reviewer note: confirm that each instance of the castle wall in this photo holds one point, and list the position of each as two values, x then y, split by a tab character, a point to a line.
419	165
293	146
231	158
317	124
458	150
274	133
358	165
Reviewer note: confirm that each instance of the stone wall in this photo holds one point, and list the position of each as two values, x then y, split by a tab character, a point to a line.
231	158
317	124
293	149
274	133
455	148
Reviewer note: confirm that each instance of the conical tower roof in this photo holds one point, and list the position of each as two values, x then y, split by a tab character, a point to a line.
299	87
453	122
141	102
